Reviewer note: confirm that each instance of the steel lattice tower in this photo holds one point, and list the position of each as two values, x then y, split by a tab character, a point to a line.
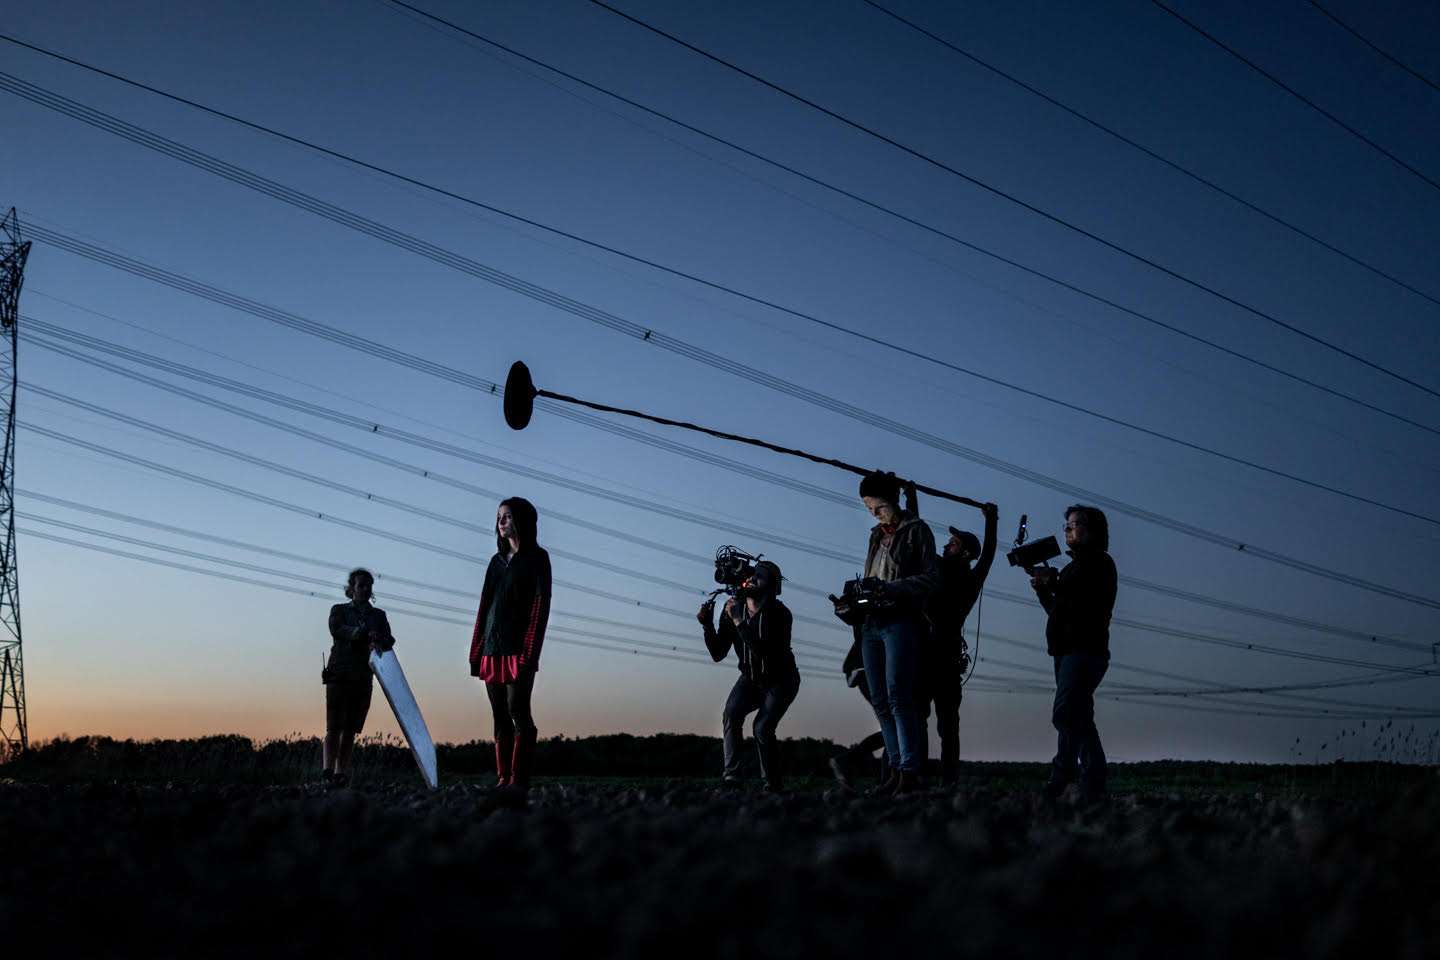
14	730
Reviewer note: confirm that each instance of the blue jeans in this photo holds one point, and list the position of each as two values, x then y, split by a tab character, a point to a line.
891	650
1076	677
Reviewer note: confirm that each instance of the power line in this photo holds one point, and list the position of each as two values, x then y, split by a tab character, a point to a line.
811	318
567	632
171	471
650	336
1091	121
1206	638
404	436
920	224
565	638
379	429
1208	689
1363	39
381	576
1298	96
1054	218
393	503
271	571
329	518
1205	688
1135	693
637	331
415	362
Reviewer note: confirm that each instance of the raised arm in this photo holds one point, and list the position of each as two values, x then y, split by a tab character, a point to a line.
987	549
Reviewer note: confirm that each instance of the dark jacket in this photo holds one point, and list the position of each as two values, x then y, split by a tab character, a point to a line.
1079	603
912	549
951	603
350	628
761	644
515	603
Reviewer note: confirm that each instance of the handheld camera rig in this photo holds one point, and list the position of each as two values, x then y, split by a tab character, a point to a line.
1038	553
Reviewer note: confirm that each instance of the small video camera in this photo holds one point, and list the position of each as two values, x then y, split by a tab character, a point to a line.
859	599
1034	554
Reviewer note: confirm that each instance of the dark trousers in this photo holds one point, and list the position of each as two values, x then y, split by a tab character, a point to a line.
942	691
769	705
1076	677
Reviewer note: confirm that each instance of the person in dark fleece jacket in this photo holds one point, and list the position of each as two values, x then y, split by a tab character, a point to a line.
942	663
1079	600
509	633
758	629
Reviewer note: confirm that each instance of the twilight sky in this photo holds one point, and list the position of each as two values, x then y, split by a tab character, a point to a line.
118	646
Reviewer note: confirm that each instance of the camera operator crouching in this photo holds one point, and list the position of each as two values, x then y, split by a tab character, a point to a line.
889	605
757	626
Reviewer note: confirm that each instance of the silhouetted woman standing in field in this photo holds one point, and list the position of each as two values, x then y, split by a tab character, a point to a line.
356	628
509	631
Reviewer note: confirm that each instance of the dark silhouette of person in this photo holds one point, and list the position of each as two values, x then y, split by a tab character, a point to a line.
356	628
757	626
509	633
942	659
1079	600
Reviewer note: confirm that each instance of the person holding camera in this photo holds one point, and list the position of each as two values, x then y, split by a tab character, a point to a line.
1079	601
509	632
756	625
889	604
356	628
944	660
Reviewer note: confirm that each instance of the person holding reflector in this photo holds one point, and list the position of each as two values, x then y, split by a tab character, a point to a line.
356	628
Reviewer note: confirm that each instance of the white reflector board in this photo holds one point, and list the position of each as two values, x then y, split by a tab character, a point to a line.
407	712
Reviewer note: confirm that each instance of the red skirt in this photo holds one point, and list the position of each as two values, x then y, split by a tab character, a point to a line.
499	669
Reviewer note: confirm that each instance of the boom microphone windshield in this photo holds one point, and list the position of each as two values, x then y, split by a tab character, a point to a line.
520	394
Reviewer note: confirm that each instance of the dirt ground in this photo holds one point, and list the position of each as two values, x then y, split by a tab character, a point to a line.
612	868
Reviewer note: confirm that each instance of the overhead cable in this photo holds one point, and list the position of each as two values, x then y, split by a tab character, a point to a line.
1297	95
883	342
652	336
1373	46
912	221
1183	171
1012	198
508	465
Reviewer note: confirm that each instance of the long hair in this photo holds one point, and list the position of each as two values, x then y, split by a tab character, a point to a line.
1095	520
526	520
